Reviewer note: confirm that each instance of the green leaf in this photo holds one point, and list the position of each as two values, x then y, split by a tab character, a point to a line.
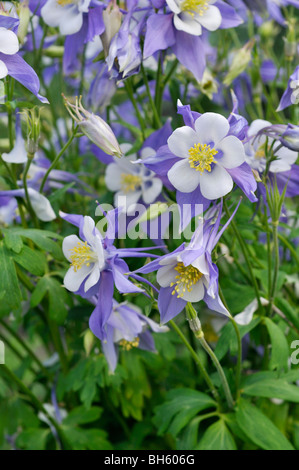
58	298
10	293
271	388
259	429
32	439
228	339
180	407
13	241
280	348
217	437
42	239
290	312
33	261
81	415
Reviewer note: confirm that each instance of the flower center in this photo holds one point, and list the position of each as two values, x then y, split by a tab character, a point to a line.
63	3
128	345
82	255
201	157
130	182
195	6
185	280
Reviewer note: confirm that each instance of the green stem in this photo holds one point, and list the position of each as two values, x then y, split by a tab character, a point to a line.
196	359
276	265
36	403
129	89
152	103
55	333
245	254
56	160
27	349
239	341
195	326
29	205
158	90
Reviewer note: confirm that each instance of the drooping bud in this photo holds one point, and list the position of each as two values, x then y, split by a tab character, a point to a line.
112	17
239	63
89	341
94	127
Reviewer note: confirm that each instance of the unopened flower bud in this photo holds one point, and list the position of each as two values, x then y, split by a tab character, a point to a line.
33	130
89	341
95	128
112	17
290	138
24	16
239	63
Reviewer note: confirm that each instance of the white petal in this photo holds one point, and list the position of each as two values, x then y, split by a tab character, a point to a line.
152	192
3	70
201	264
98	247
286	159
147	152
69	243
173	5
257	126
197	293
92	278
113	177
72	23
181	140
215	184
211	19
233	152
185	22
41	206
211	127
127	200
9	43
18	154
166	275
73	280
183	177
88	229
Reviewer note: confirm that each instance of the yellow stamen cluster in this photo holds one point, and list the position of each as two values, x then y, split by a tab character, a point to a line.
128	345
185	280
201	157
130	182
195	6
82	255
63	3
261	152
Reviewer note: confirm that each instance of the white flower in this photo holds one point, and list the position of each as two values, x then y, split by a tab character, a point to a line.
65	14
87	258
191	15
132	180
188	282
255	154
9	45
206	153
18	154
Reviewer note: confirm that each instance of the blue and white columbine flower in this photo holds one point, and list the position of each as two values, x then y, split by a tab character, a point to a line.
132	181
255	150
65	14
191	15
206	153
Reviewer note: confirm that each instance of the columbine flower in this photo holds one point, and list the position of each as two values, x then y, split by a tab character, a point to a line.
96	265
65	14
191	15
206	153
256	149
87	258
188	274
132	181
95	128
127	328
